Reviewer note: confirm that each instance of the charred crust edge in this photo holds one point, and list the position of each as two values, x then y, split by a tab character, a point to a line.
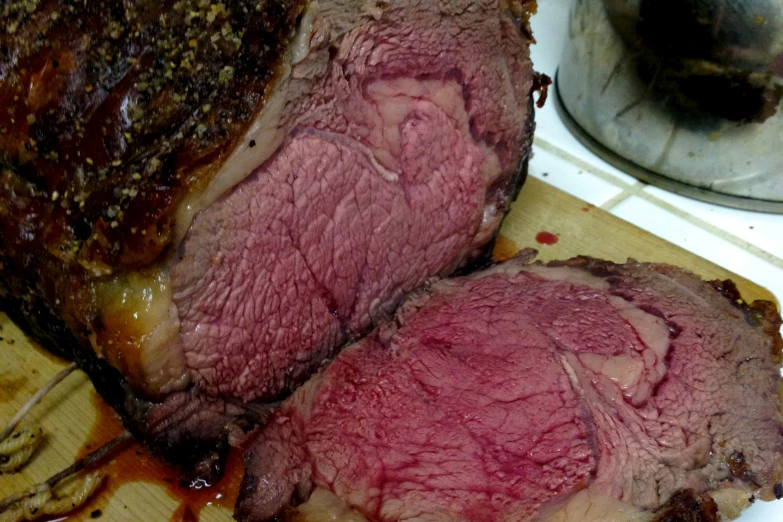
512	190
686	506
760	313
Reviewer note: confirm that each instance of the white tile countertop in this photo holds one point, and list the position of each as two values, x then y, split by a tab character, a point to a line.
748	243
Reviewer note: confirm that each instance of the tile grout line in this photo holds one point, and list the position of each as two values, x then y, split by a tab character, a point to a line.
574	160
638	190
712	229
632	190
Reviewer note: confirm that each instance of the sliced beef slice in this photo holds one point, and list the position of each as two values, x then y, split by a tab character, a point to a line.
399	164
200	202
581	390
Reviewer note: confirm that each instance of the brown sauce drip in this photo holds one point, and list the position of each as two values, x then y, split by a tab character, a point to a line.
504	249
133	463
11	386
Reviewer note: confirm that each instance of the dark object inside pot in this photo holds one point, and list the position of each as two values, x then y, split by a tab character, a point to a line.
712	58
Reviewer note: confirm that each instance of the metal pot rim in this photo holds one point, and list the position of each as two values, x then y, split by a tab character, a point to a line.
654	178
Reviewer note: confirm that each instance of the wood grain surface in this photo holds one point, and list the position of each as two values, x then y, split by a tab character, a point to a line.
73	418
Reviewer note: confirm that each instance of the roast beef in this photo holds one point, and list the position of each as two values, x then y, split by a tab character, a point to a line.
201	201
580	390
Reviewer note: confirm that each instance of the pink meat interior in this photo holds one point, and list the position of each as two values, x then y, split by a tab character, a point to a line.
396	168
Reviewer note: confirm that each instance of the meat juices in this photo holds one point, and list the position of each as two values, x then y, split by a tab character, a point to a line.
199	202
572	391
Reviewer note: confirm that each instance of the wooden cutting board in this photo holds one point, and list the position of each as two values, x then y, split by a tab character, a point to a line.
74	419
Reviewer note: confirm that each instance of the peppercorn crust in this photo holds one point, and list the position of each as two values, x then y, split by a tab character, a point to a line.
111	113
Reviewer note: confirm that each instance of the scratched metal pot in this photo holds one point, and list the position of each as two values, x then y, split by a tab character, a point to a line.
684	94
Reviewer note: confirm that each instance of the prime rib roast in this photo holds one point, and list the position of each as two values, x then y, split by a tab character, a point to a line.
574	391
201	201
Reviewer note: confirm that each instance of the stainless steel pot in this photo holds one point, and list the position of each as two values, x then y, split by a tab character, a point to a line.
685	94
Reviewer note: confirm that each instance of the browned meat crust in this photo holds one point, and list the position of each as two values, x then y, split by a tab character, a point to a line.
112	112
685	506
